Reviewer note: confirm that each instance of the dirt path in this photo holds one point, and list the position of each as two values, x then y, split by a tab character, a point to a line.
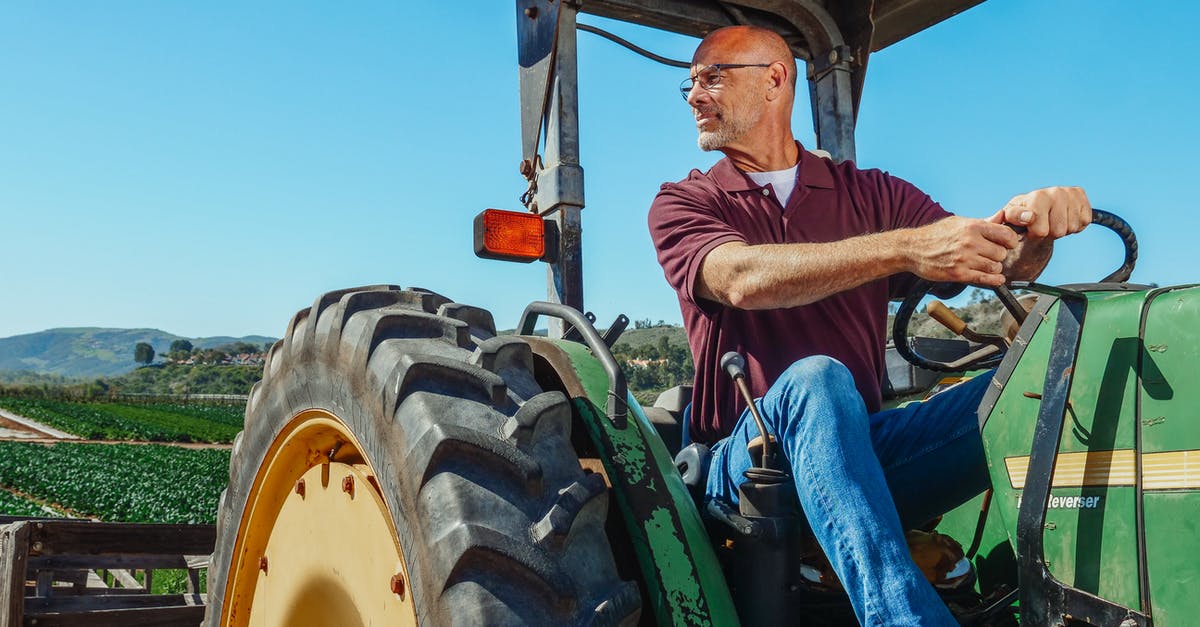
14	427
45	440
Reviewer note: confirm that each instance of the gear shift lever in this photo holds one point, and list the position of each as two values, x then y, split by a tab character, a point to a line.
735	365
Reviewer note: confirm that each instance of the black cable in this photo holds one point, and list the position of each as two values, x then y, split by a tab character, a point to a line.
587	28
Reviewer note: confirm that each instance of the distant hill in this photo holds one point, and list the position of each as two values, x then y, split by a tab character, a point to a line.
91	352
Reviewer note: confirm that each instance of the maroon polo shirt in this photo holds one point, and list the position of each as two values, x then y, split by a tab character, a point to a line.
830	202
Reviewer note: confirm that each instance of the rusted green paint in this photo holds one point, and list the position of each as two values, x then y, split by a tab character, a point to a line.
677	560
673	559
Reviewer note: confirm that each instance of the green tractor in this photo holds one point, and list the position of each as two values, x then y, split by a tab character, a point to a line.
404	463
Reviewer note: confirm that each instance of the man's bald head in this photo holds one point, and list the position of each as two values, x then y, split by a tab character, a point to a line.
745	44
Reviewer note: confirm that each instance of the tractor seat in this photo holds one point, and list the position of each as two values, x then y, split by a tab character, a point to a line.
667	415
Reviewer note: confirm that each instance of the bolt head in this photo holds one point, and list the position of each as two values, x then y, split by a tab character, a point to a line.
397	584
348	485
531	13
262	564
300	487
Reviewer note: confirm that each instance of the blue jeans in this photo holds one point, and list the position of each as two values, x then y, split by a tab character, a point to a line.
863	479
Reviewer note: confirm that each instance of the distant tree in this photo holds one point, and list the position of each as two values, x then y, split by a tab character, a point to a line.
267	346
211	356
181	346
143	353
238	348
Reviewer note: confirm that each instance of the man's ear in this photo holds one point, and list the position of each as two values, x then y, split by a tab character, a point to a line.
777	75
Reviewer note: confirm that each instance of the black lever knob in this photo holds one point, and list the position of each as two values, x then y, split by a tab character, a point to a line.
734	364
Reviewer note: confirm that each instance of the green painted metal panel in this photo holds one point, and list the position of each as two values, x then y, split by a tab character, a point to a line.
1172	530
670	540
1090	532
1170	426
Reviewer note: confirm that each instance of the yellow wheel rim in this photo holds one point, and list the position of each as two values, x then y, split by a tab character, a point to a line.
317	545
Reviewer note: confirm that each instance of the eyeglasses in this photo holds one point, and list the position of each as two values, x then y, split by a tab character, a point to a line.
710	76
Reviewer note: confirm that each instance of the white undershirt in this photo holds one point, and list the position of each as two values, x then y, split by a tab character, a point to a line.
782	181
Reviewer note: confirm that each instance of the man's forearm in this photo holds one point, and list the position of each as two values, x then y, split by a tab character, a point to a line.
771	276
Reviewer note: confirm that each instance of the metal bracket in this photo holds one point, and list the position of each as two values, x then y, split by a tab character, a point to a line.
838	58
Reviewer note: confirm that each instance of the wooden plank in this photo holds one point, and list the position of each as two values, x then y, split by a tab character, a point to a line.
112	562
8	520
126	579
92	538
38	606
198	561
150	617
92	592
14	543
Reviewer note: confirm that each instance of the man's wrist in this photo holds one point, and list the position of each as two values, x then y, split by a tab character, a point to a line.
894	251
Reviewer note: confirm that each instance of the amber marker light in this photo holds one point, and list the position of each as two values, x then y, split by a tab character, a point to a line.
510	235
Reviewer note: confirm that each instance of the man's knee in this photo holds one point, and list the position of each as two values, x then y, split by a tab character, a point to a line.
817	392
818	372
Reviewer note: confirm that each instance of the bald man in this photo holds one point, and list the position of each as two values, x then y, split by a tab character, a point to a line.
790	259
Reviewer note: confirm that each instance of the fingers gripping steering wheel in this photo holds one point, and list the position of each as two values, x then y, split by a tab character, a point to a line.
990	355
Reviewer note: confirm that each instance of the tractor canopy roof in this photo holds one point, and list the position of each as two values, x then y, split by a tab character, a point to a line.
819	31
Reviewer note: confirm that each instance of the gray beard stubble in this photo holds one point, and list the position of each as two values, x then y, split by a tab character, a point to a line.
730	129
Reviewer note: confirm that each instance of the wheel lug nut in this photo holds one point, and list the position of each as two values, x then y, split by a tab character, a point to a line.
348	485
262	564
300	487
398	585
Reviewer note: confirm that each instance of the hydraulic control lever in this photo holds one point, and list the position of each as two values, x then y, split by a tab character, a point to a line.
764	560
735	365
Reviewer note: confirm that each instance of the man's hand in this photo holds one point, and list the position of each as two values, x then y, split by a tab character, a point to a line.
1047	214
1052	212
962	250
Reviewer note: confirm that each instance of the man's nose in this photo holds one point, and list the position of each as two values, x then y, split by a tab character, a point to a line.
695	94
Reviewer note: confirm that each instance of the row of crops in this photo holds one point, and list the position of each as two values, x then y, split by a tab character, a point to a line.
14	505
158	422
115	482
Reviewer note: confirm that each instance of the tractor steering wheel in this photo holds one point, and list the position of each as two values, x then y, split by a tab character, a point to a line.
988	355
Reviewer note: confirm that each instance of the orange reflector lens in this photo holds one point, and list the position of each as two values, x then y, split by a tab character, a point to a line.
510	235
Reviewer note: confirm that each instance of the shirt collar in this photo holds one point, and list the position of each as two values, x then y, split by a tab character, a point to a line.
813	173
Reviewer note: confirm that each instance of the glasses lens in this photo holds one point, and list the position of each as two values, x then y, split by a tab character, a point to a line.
685	88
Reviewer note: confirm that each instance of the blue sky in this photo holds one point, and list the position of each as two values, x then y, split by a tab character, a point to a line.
209	168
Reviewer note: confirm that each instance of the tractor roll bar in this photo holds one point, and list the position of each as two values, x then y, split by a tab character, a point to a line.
618	391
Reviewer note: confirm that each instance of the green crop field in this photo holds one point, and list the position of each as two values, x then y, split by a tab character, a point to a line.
119	482
161	422
13	505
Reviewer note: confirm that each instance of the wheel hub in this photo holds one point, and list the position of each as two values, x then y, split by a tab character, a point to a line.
318	546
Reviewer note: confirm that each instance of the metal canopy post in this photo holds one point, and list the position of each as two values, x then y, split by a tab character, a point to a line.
832	108
549	99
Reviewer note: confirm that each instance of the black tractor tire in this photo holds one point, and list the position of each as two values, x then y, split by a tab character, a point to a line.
497	522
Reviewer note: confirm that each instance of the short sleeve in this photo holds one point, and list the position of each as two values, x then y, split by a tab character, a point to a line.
686	224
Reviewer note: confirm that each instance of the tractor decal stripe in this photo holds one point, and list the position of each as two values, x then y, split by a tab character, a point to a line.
1170	470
